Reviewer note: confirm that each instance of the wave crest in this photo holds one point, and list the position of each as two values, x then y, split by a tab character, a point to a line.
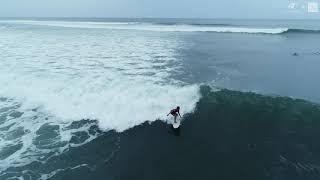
154	27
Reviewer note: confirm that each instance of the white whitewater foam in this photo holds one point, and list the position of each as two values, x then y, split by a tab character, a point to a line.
117	104
153	27
117	78
29	123
121	81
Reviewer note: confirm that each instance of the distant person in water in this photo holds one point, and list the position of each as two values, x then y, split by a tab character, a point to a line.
175	112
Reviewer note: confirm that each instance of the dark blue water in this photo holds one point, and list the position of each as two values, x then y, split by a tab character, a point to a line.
261	63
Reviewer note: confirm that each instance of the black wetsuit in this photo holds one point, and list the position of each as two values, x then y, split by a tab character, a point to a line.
174	112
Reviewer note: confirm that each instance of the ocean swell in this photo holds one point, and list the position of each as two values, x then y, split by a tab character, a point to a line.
154	27
303	31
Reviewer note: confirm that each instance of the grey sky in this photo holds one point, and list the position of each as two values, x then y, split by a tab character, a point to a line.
152	8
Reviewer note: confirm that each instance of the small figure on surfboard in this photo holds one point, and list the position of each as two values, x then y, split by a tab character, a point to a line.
175	112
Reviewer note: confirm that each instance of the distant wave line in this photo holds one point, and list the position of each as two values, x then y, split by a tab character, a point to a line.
163	27
152	27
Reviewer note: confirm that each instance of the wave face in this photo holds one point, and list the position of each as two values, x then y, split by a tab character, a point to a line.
155	27
303	31
230	135
52	79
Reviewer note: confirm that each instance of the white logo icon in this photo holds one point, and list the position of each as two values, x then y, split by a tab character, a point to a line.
313	7
292	5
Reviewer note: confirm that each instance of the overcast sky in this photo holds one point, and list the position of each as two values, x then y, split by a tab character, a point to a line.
153	8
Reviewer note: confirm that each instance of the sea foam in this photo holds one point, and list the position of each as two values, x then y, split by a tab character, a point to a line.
119	80
50	80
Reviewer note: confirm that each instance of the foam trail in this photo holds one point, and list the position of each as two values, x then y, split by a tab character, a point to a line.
154	27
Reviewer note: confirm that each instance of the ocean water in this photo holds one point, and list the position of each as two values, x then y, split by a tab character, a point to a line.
88	98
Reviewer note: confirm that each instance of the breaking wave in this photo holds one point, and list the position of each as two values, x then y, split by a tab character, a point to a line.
155	27
116	81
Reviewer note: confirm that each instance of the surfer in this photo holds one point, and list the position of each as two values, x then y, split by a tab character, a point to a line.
175	112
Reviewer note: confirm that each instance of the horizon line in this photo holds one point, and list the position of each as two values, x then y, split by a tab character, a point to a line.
186	18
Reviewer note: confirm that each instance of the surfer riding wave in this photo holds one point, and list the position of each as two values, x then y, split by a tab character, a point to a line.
175	112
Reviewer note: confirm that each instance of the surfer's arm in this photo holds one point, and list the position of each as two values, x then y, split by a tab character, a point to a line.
179	114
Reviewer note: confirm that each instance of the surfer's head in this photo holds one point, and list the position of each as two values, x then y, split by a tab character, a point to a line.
178	107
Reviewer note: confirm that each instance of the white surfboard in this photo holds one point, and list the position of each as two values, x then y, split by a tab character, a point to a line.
177	123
